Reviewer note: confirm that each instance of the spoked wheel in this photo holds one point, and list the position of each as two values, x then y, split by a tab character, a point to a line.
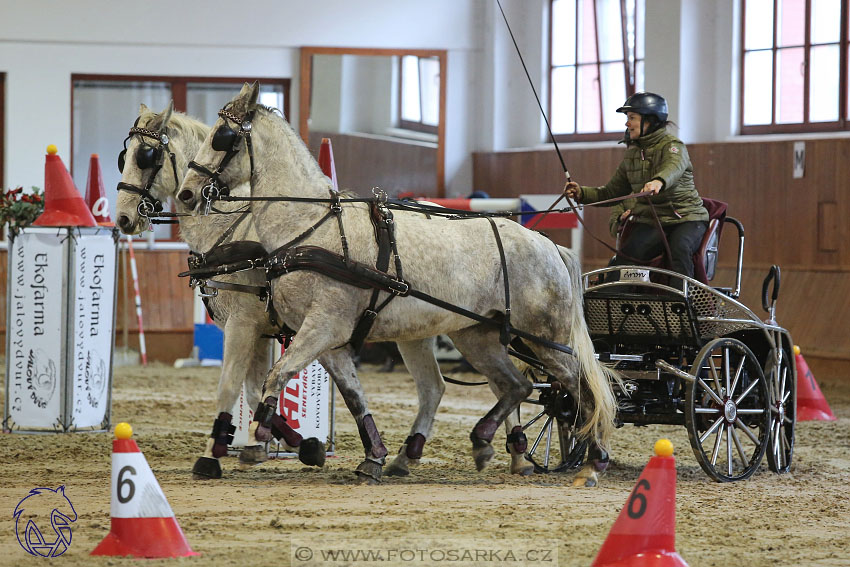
782	385
728	410
551	430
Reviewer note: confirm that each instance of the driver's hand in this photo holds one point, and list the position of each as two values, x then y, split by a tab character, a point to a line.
655	186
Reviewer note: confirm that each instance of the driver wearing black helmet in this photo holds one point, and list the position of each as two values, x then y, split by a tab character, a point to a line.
658	162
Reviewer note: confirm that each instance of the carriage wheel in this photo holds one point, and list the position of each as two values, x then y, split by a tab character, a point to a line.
553	445
728	410
783	410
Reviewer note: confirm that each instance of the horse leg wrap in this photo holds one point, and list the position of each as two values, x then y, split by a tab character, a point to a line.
599	457
415	443
518	439
281	430
371	438
222	432
263	416
483	432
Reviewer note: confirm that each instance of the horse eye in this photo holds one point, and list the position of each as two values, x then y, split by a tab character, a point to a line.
146	156
223	139
121	158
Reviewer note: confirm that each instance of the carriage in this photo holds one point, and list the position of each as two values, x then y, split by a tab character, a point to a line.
690	354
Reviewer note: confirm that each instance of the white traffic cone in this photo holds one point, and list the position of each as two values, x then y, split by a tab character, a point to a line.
143	524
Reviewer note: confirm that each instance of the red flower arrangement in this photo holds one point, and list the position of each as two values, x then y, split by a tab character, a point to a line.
20	209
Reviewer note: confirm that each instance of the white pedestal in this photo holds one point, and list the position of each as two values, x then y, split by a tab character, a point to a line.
60	329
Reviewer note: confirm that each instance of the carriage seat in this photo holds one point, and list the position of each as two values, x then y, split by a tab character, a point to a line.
705	258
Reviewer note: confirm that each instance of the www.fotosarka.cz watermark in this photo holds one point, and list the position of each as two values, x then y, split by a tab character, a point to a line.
324	551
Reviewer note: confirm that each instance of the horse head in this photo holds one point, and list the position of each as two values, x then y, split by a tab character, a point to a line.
153	163
222	161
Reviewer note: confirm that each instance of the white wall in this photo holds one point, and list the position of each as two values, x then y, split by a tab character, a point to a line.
689	44
43	43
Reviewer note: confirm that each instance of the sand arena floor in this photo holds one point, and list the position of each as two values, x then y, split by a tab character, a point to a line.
258	517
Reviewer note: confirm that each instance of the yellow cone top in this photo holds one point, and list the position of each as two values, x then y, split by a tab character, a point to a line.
796	350
52	149
123	430
663	447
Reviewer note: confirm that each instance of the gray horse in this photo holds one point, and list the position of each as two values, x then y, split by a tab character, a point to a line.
149	175
458	262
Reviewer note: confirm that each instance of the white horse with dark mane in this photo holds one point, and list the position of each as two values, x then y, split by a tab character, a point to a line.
466	264
154	164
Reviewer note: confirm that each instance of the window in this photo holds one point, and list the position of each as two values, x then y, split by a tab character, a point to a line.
419	88
596	62
105	106
794	66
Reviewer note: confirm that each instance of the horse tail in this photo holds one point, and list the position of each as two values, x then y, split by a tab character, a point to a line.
597	377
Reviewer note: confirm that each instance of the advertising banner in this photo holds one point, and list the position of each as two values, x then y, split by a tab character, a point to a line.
35	328
95	262
60	320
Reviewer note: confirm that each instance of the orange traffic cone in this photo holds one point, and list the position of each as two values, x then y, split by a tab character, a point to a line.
326	161
63	205
143	524
96	194
644	534
811	405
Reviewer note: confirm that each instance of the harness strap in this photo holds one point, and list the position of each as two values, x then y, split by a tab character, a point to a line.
504	334
382	220
258	290
336	208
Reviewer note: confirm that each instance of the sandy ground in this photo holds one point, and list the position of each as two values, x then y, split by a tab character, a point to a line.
440	512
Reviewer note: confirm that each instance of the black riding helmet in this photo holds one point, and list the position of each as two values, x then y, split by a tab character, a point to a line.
647	104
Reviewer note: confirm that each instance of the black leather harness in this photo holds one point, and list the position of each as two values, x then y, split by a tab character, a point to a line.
290	258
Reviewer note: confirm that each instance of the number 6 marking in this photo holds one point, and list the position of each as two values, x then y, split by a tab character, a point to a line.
639	498
131	488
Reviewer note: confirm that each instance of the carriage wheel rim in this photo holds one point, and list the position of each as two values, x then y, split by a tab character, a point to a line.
780	452
728	417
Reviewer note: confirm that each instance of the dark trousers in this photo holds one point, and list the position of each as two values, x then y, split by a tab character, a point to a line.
644	243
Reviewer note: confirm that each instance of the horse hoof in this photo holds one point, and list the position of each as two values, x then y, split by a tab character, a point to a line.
263	433
397	469
312	452
482	456
253	455
206	468
586	481
523	471
368	472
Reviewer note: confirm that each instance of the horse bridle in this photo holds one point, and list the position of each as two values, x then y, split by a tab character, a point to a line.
225	139
148	157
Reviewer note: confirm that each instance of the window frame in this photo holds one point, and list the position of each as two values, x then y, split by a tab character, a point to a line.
629	69
416	126
179	86
2	130
843	123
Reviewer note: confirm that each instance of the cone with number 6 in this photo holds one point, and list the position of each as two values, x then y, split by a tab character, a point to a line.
644	534
143	524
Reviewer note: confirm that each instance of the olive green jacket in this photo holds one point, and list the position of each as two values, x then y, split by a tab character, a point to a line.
658	155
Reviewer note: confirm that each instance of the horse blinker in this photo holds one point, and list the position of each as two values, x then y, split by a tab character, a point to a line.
224	139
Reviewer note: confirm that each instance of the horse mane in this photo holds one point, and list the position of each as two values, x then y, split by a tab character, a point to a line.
299	151
182	124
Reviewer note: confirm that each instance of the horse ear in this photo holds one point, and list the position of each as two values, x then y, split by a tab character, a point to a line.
255	93
143	108
166	115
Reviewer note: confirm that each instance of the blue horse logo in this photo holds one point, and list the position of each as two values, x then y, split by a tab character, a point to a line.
39	504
